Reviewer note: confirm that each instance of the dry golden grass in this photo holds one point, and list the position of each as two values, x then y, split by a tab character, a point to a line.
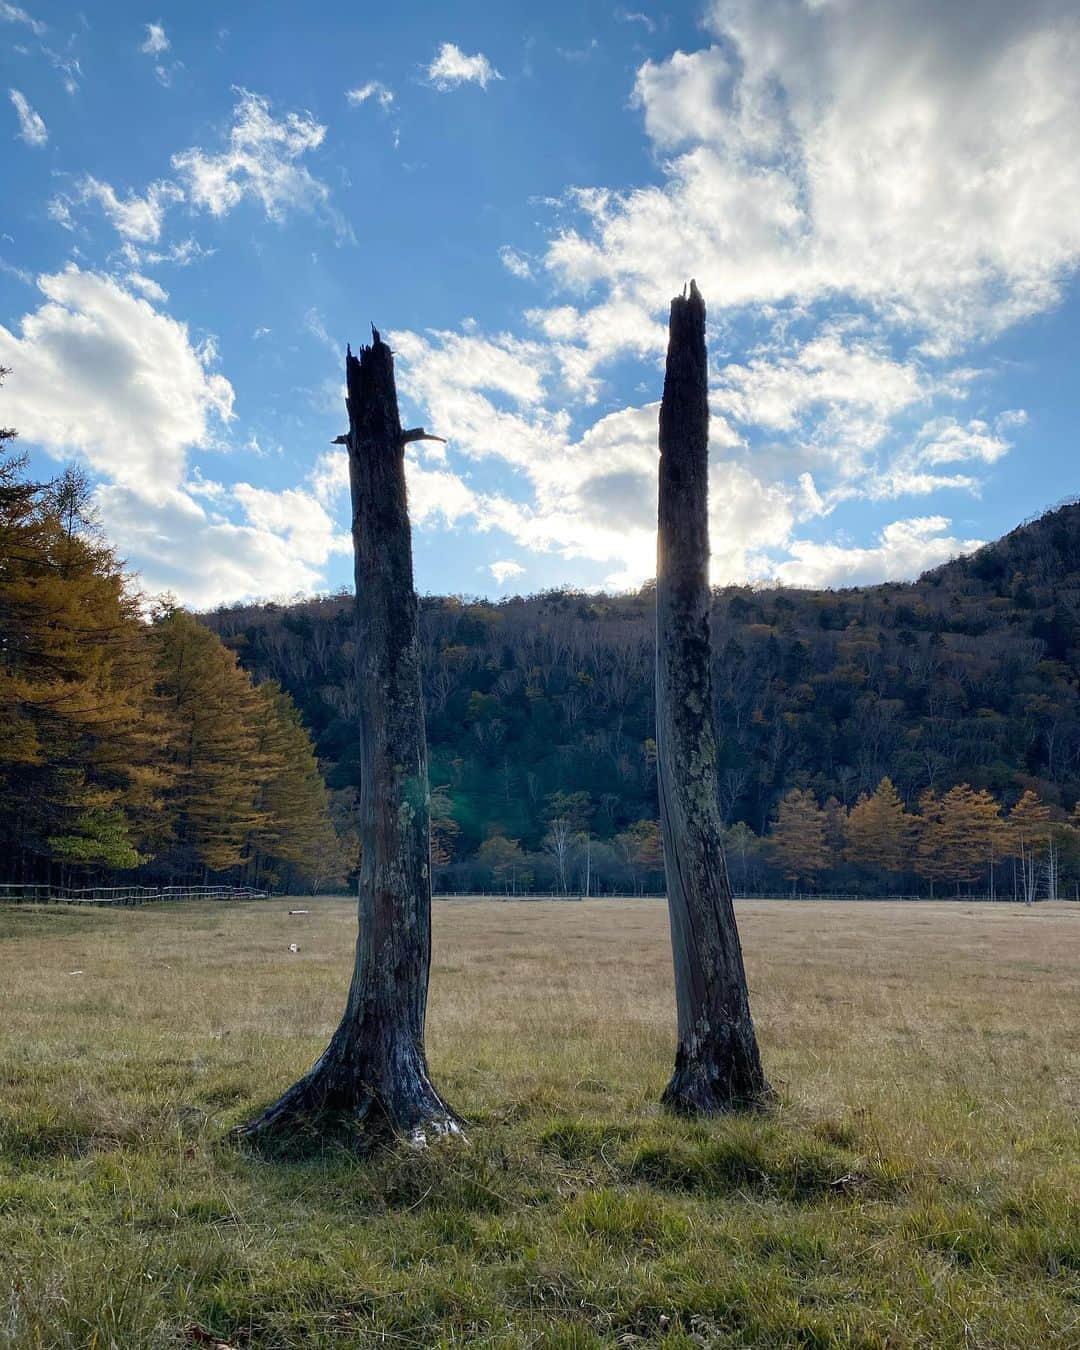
916	1186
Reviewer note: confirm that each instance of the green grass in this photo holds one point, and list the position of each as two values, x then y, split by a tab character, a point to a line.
916	1185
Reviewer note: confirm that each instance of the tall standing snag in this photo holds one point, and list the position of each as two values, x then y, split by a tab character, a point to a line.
375	1068
717	1066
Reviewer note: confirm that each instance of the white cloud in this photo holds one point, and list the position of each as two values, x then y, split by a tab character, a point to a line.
584	339
945	441
628	16
904	549
775	391
137	397
910	157
104	374
13	14
147	286
261	161
452	68
295	515
437	495
445	363
591	498
374	89
198	555
156	42
181	254
135	218
32	128
907	171
515	262
504	569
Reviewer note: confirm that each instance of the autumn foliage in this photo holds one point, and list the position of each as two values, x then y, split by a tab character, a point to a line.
134	744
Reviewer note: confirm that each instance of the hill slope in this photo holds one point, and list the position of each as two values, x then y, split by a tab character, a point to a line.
968	674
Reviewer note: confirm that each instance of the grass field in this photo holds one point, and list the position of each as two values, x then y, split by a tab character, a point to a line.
916	1186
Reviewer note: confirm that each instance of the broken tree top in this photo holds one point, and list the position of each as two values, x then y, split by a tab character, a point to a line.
377	361
686	327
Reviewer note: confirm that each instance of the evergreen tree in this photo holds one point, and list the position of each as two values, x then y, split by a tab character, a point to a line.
798	837
292	804
958	835
80	777
215	752
878	831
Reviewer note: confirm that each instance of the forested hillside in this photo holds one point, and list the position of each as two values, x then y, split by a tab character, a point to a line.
132	745
540	710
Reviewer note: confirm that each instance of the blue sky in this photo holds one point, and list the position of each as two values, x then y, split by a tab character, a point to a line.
204	202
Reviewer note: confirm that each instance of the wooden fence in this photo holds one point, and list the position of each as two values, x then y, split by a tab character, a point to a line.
122	895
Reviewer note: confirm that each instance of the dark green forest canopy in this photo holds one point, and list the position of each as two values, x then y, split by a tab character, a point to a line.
543	706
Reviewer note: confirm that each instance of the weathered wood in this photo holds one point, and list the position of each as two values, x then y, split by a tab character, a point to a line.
375	1068
717	1065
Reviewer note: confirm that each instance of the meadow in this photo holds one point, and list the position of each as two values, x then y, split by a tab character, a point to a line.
916	1184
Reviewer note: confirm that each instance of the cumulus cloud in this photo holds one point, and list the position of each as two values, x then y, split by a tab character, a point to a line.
32	128
452	68
590	497
863	192
156	41
197	554
903	550
945	442
915	157
295	515
262	160
103	373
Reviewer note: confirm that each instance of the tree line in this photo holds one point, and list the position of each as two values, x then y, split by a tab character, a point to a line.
132	744
963	841
960	841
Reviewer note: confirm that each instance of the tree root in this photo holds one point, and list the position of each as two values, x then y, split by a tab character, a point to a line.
320	1108
698	1089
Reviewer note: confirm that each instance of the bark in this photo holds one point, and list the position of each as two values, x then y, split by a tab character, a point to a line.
717	1065
374	1069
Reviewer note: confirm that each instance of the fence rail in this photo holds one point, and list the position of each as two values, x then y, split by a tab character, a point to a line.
122	895
807	896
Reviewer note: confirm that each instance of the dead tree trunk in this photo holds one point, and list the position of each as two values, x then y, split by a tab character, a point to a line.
717	1066
374	1069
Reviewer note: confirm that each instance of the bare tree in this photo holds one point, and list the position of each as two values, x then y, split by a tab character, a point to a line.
717	1066
557	842
375	1070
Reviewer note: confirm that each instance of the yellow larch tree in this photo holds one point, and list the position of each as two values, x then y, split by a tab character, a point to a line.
878	831
798	837
215	754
